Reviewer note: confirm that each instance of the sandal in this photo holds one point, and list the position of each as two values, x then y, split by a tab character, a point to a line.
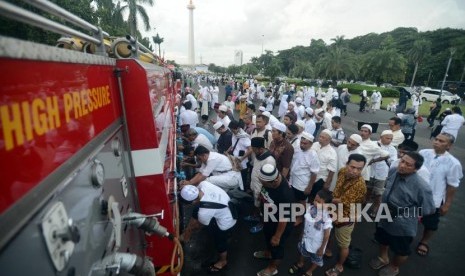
264	273
294	269
333	272
422	249
261	255
378	262
388	271
214	269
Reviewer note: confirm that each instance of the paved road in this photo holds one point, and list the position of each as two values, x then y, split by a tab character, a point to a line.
447	246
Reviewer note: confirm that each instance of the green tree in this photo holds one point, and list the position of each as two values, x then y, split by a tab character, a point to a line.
385	64
136	10
273	70
249	69
303	70
158	40
338	41
233	70
421	48
336	63
109	19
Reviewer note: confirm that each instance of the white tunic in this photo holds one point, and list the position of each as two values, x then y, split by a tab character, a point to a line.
328	160
223	217
303	164
452	123
189	117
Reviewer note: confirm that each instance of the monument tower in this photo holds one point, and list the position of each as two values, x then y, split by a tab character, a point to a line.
191	53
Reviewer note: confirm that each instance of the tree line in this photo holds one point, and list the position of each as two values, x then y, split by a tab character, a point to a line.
403	55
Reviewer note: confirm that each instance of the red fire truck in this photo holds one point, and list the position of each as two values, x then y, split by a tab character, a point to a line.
87	154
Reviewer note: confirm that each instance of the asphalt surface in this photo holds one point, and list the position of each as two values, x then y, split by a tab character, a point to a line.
447	247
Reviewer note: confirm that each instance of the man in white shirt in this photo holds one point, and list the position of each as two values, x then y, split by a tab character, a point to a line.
304	169
215	168
370	150
397	135
213	211
292	137
197	139
300	108
261	130
222	116
343	152
192	99
240	147
327	158
452	123
379	172
188	116
337	133
308	121
446	173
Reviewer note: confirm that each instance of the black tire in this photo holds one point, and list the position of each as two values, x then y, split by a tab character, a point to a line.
445	102
424	99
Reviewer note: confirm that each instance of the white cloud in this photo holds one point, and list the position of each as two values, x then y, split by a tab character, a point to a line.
222	26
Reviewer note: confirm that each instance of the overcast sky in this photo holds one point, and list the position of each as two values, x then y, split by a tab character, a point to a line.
223	26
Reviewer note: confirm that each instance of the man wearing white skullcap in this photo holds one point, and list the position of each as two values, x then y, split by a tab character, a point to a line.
281	149
277	226
370	150
304	169
213	203
343	152
379	171
328	162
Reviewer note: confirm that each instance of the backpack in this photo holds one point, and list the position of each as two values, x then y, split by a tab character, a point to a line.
265	136
337	103
347	98
344	141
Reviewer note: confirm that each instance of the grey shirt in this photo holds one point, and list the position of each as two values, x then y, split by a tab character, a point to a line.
408	197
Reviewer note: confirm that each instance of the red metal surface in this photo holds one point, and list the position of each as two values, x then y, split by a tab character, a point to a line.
49	110
148	97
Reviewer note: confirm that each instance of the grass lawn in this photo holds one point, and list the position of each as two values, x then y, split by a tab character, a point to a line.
423	110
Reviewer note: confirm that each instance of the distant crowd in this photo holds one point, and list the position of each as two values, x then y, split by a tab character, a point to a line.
279	144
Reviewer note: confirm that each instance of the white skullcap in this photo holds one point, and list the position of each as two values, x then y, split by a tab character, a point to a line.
217	125
386	132
298	100
267	114
292	103
367	126
223	108
189	192
262	108
279	126
309	111
300	123
268	172
307	136
327	132
357	138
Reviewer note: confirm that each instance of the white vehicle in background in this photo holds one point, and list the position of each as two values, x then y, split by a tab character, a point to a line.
432	95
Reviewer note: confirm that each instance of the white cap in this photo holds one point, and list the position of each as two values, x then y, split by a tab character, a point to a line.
357	138
189	192
367	126
279	126
298	100
300	123
309	111
386	132
262	108
307	136
268	172
217	125
223	108
327	132
267	114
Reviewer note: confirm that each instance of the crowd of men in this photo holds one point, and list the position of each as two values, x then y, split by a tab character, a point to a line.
296	151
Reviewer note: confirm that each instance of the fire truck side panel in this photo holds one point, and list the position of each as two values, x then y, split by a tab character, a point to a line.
68	179
149	101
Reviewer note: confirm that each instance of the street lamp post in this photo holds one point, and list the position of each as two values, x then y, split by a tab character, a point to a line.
263	38
452	51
